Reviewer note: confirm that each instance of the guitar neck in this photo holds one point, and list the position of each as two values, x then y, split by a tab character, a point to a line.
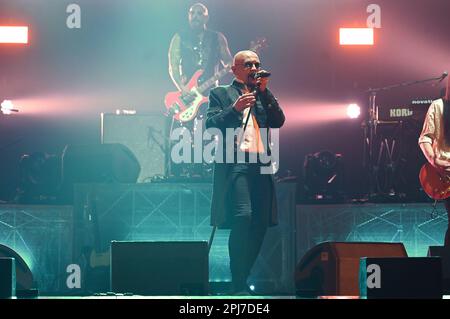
211	81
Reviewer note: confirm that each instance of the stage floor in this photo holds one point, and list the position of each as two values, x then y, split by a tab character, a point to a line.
117	297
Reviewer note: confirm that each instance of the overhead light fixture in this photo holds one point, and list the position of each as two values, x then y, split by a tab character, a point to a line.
356	36
7	107
9	34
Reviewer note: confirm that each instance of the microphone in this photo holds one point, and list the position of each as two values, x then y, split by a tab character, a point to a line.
443	76
261	74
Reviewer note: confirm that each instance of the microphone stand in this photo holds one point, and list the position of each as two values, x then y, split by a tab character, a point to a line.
370	129
255	92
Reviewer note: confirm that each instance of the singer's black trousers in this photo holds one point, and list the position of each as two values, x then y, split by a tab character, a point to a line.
250	190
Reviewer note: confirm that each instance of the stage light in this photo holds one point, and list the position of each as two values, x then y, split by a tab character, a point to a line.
10	34
39	178
353	111
356	36
323	176
7	107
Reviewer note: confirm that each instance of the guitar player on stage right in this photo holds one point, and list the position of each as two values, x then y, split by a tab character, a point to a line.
435	144
193	50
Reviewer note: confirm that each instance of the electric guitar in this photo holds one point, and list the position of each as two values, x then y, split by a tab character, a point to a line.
436	184
184	105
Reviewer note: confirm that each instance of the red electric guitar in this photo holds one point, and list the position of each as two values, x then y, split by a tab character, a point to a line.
184	106
436	184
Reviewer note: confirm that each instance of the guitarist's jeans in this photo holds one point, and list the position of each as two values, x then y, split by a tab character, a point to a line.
249	191
447	234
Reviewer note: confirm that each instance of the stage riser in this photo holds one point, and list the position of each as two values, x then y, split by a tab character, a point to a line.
52	237
176	212
413	224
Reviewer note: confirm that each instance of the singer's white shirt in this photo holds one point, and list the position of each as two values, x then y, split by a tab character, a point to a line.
251	139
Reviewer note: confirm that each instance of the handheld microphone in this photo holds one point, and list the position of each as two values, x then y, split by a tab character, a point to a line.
255	91
261	74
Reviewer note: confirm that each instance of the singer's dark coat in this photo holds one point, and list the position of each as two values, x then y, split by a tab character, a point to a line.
222	115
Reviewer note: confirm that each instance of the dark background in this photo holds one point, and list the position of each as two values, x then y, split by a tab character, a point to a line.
64	78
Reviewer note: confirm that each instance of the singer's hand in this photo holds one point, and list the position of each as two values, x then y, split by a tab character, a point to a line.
262	84
262	81
244	101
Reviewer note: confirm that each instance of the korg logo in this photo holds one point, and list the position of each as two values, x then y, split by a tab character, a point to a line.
400	112
374	279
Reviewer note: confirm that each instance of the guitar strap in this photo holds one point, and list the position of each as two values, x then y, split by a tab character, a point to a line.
211	54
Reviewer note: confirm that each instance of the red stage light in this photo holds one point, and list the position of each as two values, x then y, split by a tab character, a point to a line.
13	34
356	36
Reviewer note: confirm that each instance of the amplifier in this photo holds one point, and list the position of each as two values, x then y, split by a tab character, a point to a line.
400	277
160	267
147	137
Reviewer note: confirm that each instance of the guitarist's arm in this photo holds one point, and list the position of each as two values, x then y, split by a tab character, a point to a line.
427	138
174	62
428	152
433	159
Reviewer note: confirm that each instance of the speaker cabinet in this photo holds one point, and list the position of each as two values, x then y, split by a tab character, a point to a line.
160	268
444	253
96	163
332	268
418	277
7	278
146	135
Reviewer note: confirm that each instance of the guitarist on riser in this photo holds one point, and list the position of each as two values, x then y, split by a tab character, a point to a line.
197	48
434	142
191	51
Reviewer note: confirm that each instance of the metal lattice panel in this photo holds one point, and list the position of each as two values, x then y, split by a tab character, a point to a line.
42	236
177	212
150	212
415	225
